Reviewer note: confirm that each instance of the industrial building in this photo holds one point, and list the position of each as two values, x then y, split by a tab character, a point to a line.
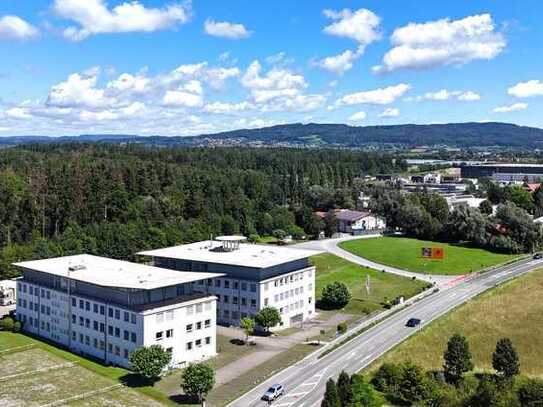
254	277
105	308
503	172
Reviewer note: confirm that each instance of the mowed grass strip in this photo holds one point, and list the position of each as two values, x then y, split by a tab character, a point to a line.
383	286
405	253
514	310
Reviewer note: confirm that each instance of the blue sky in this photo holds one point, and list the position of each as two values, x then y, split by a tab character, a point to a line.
185	68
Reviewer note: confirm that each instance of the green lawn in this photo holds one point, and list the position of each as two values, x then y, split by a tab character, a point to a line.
383	286
405	253
514	310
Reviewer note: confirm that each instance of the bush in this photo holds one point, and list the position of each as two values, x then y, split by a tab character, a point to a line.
335	295
342	327
17	326
279	234
530	394
387	378
254	238
6	324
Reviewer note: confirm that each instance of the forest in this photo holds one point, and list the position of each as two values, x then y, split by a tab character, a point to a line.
115	200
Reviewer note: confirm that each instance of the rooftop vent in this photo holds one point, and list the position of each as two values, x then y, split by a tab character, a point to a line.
229	243
77	267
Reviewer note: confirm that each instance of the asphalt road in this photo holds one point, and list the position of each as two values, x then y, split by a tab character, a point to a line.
305	381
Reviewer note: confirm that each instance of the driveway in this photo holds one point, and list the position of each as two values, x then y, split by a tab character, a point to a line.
331	246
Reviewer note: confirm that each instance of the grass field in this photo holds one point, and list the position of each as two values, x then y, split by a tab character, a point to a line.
514	310
68	375
383	286
405	253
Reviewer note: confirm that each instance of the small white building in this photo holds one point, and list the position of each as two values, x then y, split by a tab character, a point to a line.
107	308
358	222
254	277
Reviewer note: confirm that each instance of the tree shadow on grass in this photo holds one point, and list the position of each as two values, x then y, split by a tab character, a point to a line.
136	380
183	399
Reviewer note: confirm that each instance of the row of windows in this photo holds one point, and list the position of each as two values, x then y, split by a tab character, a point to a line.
288	279
226	284
198	343
236	315
101	327
289	293
235	300
100	345
101	309
198	308
189	328
34	291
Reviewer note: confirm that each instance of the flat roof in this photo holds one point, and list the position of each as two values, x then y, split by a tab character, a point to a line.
107	272
248	255
512	165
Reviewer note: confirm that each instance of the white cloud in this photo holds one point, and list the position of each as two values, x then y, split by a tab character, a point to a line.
280	58
188	95
274	79
510	108
357	117
361	25
129	83
381	96
442	42
225	29
214	76
15	28
390	112
526	89
79	90
444	94
18	113
228	108
340	63
94	17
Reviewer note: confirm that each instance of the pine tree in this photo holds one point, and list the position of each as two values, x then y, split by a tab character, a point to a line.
505	359
345	389
331	395
457	359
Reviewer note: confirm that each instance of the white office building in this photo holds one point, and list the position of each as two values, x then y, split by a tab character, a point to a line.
254	277
105	308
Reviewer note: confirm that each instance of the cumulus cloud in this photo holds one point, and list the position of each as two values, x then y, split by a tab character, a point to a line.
228	108
526	89
510	108
225	29
442	42
444	94
18	113
214	76
340	63
381	96
188	95
361	25
94	17
357	117
390	112
15	28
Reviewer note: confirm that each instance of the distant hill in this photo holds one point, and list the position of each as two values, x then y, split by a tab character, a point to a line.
333	135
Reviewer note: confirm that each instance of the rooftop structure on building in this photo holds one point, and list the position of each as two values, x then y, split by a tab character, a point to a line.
504	172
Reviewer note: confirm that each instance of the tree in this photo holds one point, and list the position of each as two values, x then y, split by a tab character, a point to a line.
268	317
486	395
6	324
505	359
330	223
457	359
486	207
331	395
362	392
387	378
197	380
344	389
335	295
248	325
530	393
150	361
414	387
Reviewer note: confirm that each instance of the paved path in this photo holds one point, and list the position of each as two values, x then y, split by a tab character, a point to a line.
305	381
331	246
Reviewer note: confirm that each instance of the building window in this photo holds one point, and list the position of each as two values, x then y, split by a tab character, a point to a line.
102	310
81	304
126	335
253	303
110	312
243	301
81	321
126	353
102	327
198	343
226	283
95	308
117	332
110	348
243	286
133	318
265	302
189	345
48	294
74	319
226	313
126	316
208	340
198	325
87	323
236	285
117	314
110	330
234	300
95	325
117	351
159	336
189	327
207	323
133	337
199	308
253	287
160	317
217	282
226	299
87	306
169	315
169	333
169	350
190	310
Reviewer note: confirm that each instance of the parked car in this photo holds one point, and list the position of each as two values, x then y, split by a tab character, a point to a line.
537	256
273	392
413	322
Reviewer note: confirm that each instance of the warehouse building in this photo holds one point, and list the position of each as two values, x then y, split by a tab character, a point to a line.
254	277
504	172
105	308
